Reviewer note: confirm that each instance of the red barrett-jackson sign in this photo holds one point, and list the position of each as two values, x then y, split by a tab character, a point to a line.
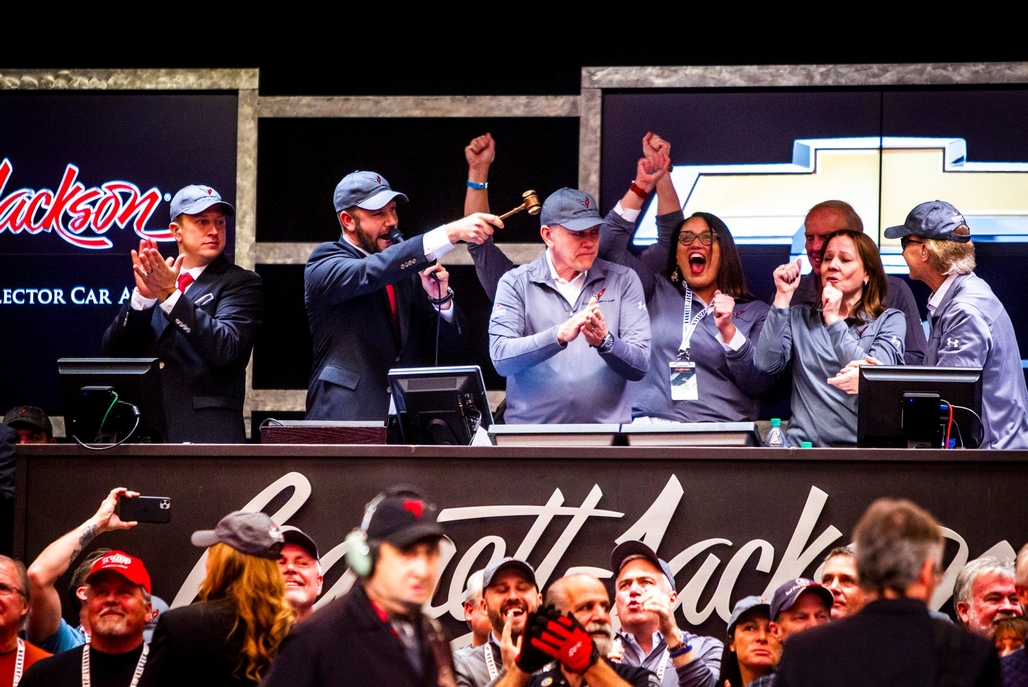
79	215
84	177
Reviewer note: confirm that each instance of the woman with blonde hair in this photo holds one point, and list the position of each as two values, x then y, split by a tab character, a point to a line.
232	634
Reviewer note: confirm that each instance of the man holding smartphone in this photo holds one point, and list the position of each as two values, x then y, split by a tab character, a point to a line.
45	625
117	607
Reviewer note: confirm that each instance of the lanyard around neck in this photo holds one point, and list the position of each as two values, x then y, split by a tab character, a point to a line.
689	324
87	680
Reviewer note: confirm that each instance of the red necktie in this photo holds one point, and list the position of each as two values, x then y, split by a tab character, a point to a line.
183	282
391	292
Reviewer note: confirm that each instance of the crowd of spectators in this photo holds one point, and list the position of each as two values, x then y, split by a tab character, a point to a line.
256	621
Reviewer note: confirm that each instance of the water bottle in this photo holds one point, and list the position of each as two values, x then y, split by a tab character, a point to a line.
775	438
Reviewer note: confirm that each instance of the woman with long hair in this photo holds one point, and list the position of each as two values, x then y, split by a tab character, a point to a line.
751	651
704	321
848	324
232	634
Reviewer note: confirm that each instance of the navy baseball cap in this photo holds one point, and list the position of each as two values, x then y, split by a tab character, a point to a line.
365	190
572	209
498	566
636	549
935	220
745	605
192	200
786	595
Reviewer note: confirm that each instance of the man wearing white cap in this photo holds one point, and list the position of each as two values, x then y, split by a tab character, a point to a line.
367	310
199	314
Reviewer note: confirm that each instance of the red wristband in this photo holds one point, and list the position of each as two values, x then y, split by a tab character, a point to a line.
635	188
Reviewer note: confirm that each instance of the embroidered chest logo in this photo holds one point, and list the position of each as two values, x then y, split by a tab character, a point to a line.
952	342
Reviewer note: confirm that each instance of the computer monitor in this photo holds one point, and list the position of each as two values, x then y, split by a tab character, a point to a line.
440	405
112	400
908	406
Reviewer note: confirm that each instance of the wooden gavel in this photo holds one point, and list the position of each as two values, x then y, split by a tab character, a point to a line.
531	204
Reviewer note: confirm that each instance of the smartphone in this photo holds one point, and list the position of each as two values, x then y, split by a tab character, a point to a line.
156	509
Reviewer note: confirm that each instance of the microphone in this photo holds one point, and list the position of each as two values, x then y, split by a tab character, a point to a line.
395	236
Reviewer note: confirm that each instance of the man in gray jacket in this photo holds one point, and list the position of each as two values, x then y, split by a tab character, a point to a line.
970	327
569	331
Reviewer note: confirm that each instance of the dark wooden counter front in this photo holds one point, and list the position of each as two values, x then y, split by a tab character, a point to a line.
730	521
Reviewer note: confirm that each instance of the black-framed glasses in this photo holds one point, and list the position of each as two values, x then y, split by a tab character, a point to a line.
906	241
706	238
7	590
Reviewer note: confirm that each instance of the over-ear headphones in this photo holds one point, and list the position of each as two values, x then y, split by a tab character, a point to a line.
361	553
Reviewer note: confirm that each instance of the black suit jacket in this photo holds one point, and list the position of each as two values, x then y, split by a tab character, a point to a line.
194	646
347	643
889	642
204	345
355	344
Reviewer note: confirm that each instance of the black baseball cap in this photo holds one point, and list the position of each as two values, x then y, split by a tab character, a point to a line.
29	416
403	518
636	549
294	535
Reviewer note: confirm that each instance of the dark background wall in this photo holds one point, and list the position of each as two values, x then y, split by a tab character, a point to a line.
516	50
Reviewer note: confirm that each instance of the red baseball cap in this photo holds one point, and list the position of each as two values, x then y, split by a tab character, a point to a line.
129	567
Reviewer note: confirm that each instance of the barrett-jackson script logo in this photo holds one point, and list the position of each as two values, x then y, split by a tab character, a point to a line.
707	592
79	215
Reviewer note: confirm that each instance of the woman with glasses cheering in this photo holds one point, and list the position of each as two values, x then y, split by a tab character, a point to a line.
703	320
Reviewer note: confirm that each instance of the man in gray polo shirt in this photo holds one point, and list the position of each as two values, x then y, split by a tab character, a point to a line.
569	331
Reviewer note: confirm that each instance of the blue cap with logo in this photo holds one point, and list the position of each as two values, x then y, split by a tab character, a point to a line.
933	220
192	200
365	190
787	594
572	209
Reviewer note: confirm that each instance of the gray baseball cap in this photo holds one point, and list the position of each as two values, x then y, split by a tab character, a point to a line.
934	220
494	568
572	209
366	190
745	605
250	533
192	200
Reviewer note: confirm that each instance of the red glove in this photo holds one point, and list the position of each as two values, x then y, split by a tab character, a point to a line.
566	640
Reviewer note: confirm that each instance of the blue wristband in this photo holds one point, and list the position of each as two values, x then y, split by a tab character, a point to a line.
680	651
477	185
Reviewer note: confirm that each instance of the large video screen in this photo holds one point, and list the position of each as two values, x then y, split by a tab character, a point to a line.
760	158
83	177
